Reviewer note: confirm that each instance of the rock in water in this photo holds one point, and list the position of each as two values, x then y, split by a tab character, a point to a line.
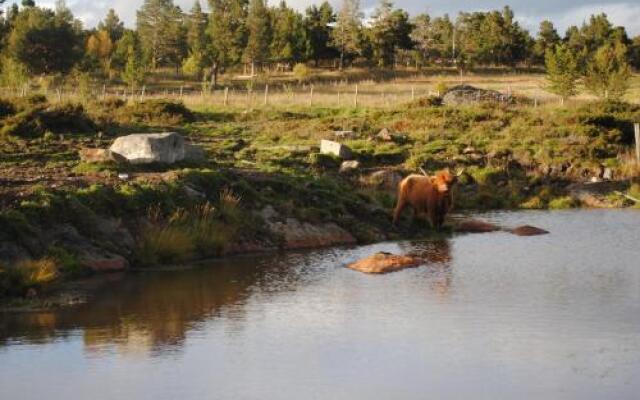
146	148
382	263
475	226
528	230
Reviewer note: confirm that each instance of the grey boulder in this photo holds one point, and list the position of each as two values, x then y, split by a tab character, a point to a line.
147	148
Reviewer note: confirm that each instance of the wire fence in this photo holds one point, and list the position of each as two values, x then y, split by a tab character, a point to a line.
338	94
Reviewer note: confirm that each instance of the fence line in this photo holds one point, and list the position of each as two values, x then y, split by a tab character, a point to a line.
330	95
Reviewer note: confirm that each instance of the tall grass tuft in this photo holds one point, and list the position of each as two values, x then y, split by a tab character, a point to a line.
199	231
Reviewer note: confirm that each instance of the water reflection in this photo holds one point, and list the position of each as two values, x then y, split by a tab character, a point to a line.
154	311
478	320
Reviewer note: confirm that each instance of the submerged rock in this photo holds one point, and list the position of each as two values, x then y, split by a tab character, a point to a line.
382	263
475	226
527	230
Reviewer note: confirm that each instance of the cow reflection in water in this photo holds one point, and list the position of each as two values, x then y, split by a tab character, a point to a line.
437	257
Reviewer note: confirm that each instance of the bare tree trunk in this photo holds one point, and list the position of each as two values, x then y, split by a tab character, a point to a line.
214	75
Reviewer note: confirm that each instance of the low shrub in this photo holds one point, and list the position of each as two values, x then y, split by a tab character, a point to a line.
161	112
26	274
39	119
561	203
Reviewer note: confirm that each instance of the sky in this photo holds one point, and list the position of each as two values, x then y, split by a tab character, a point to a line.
563	13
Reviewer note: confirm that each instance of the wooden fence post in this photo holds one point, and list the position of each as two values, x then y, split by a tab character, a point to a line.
226	96
266	94
311	95
355	98
413	93
181	90
636	128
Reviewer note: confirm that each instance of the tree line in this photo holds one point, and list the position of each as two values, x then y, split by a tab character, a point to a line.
250	34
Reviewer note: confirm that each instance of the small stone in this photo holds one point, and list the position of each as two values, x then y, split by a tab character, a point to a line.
607	174
384	135
349	166
341	135
469	150
95	155
336	149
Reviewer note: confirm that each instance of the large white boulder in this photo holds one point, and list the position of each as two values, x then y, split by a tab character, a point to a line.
146	148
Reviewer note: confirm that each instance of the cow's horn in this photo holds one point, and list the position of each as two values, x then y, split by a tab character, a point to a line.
423	172
460	172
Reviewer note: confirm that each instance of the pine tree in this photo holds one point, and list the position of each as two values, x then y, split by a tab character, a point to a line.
289	41
161	30
133	73
259	34
346	35
423	36
562	71
226	33
199	50
45	42
112	25
608	72
548	38
389	32
318	25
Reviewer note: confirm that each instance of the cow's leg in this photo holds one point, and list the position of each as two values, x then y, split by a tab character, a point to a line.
434	218
398	210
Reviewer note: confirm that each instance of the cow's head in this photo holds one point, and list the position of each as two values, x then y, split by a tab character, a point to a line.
444	180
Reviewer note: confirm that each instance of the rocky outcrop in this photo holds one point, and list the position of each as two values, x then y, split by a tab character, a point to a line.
147	148
303	235
465	94
89	255
382	263
596	194
385	179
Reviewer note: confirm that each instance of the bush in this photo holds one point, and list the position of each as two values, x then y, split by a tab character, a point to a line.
27	274
561	203
154	112
38	119
324	161
301	72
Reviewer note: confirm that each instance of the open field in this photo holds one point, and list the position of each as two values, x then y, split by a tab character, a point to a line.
323	89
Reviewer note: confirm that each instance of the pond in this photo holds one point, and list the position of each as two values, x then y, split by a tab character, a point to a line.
490	316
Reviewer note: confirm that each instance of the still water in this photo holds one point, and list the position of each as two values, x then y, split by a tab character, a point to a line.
491	316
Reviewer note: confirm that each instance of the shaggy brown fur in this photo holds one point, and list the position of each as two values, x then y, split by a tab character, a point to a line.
430	195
